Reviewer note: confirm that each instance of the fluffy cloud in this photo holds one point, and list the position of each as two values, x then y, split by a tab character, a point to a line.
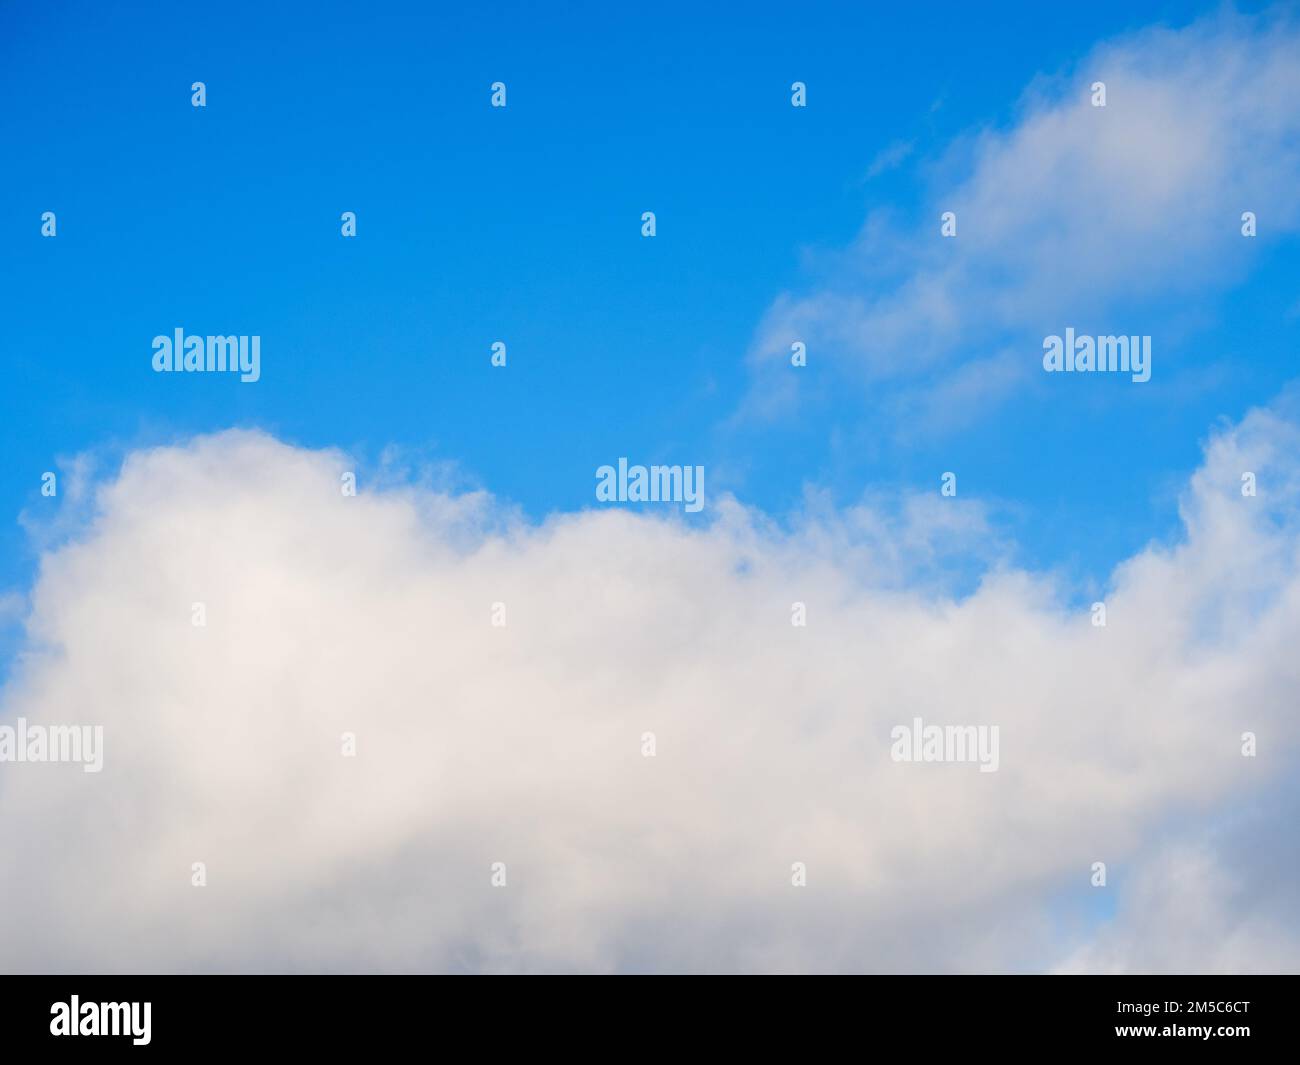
1190	910
522	744
1102	217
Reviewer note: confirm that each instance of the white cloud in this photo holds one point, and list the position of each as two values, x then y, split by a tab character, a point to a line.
478	744
1190	911
1101	218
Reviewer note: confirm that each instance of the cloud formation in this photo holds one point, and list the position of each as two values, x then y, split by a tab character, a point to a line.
1103	218
523	744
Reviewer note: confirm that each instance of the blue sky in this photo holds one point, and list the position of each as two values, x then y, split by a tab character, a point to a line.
522	225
